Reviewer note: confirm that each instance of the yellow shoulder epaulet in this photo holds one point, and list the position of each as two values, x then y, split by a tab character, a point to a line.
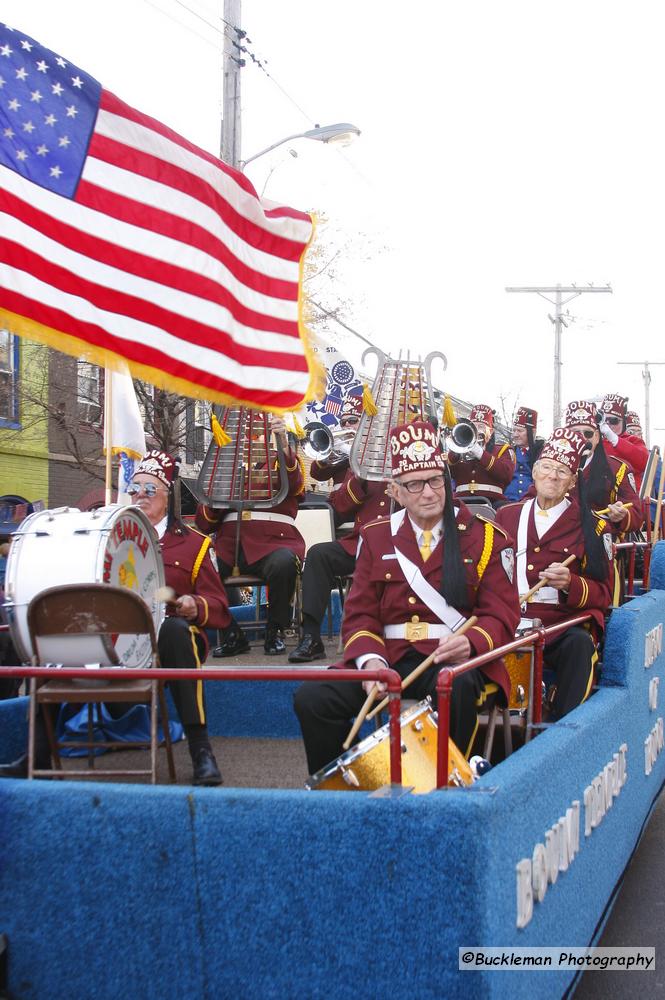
497	527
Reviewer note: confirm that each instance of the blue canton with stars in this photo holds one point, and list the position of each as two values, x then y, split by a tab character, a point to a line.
48	109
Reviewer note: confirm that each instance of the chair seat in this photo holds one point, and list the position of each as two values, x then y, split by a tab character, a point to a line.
81	691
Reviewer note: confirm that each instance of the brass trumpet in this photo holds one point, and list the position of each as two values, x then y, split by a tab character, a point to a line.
323	445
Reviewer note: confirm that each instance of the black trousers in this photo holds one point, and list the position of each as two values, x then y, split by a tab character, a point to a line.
325	708
572	656
325	561
279	569
181	646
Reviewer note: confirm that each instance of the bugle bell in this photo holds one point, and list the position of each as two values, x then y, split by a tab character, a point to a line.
323	445
462	436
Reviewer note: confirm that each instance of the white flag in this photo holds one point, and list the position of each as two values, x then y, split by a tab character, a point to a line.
127	437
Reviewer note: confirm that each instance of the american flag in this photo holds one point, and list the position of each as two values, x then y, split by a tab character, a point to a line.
120	239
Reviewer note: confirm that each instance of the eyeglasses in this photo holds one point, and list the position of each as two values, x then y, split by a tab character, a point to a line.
435	483
349	421
588	434
149	489
551	470
613	420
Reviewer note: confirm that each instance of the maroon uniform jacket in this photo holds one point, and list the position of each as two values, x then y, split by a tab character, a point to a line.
564	538
381	595
623	490
473	475
189	569
323	471
360	499
258	536
631	450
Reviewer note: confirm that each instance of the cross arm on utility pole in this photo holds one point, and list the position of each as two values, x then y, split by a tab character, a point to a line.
558	291
646	376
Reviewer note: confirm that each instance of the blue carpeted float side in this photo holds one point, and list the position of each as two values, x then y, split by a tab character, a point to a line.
163	892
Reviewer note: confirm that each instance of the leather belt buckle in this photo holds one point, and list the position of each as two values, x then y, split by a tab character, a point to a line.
246	515
416	631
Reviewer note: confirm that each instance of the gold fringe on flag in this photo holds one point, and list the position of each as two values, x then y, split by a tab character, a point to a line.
297	427
218	432
369	406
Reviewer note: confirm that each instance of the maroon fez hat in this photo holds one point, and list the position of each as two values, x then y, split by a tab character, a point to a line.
160	465
566	446
633	422
414	447
525	417
614	405
482	414
581	412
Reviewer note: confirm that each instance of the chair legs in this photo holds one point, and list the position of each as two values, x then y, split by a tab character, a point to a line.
163	711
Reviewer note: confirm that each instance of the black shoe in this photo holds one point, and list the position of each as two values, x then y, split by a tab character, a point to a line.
309	649
206	771
233	643
274	644
19	768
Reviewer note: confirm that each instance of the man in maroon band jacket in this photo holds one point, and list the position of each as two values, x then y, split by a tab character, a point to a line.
548	529
486	469
200	601
419	574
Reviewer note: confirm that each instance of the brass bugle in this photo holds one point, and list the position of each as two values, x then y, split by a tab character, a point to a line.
320	442
462	436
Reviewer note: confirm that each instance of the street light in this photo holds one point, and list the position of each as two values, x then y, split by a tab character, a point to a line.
342	134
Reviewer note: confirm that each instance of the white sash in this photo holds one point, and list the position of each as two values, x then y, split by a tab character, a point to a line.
522	530
435	601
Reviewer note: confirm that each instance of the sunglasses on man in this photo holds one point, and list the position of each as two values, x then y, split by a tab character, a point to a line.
149	489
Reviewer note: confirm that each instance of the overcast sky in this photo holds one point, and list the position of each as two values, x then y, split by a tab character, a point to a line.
503	143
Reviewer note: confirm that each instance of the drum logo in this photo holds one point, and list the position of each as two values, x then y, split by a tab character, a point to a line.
125	540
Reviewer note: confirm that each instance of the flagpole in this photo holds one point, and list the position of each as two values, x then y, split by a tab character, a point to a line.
108	423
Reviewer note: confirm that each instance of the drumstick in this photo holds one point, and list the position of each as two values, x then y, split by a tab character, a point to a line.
360	717
605	510
417	671
165	594
541	583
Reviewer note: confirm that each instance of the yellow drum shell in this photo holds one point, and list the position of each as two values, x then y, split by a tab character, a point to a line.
518	665
366	766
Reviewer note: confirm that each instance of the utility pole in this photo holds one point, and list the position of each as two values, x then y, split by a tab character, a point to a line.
646	377
558	302
233	62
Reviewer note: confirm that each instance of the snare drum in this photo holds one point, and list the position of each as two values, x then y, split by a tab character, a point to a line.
115	545
366	766
520	667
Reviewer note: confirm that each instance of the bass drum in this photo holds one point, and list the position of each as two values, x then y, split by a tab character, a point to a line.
115	545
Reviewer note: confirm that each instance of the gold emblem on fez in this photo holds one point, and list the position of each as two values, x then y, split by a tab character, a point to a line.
562	445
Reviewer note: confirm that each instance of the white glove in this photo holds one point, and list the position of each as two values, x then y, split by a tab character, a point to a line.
343	448
476	450
608	433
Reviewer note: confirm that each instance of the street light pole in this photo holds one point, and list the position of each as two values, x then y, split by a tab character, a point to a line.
646	377
342	133
558	302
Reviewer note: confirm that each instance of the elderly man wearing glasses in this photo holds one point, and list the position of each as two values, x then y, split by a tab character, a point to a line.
619	441
419	575
549	529
199	602
610	483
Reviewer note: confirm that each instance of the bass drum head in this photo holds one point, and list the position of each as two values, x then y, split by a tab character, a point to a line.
115	545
